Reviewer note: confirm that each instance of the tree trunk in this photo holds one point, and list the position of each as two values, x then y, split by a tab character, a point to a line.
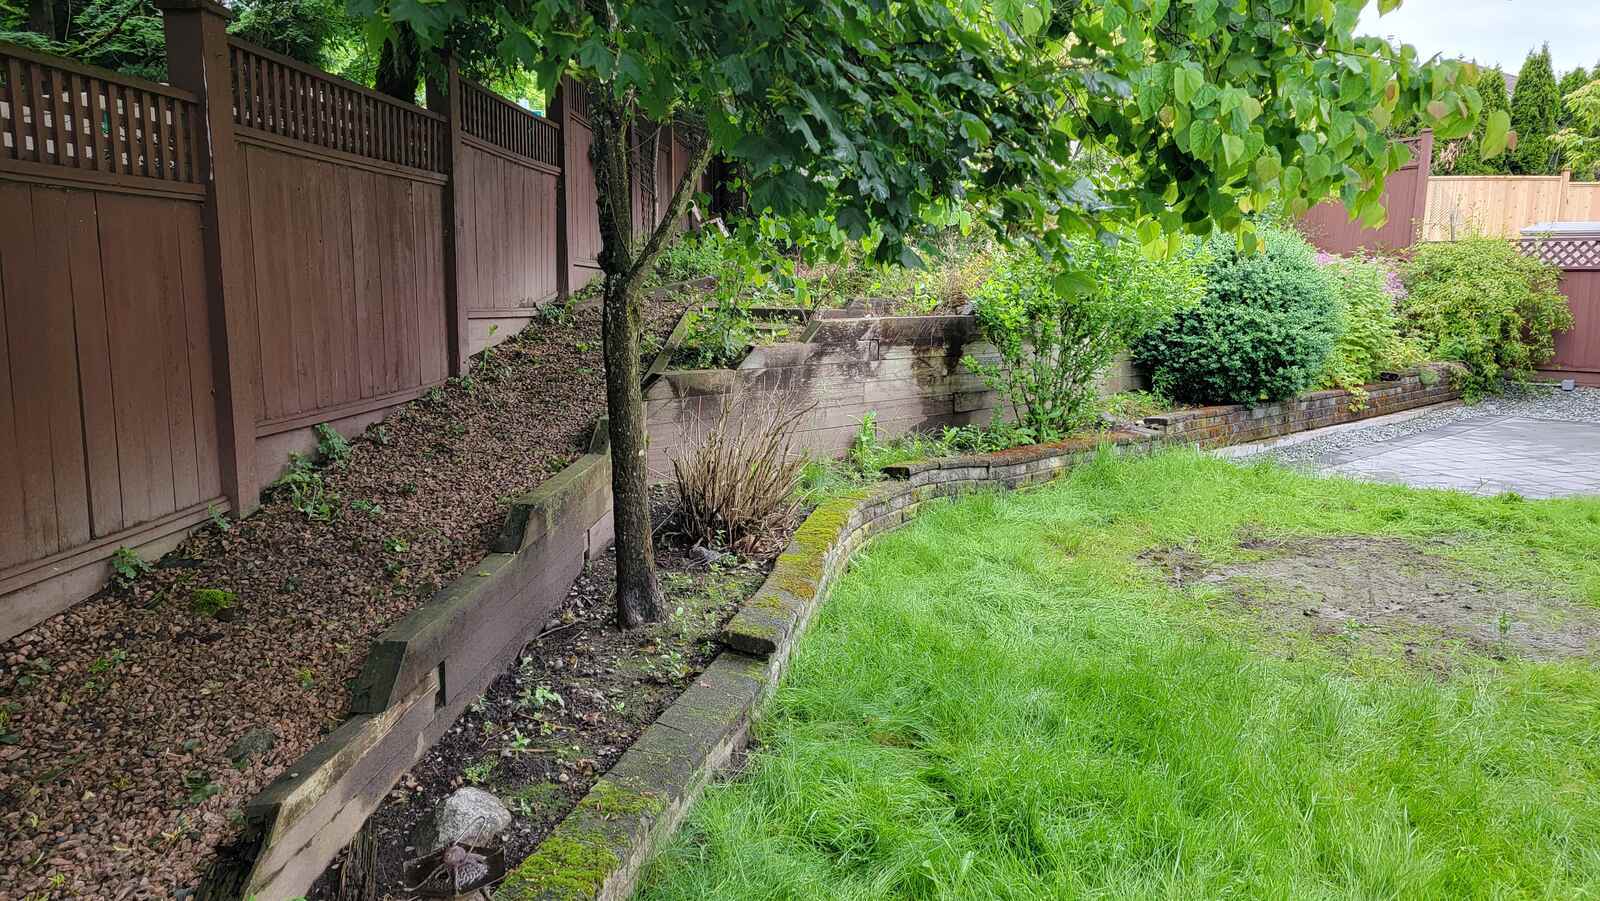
400	64
638	593
42	18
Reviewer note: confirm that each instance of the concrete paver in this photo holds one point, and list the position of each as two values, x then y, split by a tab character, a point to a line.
1535	458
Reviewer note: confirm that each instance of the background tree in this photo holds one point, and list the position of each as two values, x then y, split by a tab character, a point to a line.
1535	108
1466	156
1579	144
855	120
1570	82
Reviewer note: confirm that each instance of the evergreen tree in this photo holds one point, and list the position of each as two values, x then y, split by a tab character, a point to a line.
1535	109
1465	157
1570	82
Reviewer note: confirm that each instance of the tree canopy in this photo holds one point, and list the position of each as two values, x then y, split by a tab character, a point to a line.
1195	113
1535	108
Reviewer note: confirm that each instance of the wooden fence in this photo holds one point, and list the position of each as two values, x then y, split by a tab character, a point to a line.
1501	206
192	275
1578	349
1405	196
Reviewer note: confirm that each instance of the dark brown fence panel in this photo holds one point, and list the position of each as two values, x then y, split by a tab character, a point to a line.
108	426
348	286
1405	197
583	216
1577	350
506	190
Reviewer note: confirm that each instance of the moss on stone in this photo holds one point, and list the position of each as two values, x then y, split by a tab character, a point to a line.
563	868
611	800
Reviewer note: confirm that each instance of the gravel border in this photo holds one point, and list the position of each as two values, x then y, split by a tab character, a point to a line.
1524	401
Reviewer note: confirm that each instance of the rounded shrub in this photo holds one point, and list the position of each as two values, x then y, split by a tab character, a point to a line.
1262	331
1485	303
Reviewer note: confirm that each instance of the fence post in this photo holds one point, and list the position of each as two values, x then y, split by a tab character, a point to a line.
455	300
558	114
197	61
1561	195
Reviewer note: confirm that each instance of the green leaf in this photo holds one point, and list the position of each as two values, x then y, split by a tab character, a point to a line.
1495	130
1232	148
1186	84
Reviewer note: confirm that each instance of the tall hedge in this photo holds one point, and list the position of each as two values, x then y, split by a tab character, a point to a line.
1262	331
1535	109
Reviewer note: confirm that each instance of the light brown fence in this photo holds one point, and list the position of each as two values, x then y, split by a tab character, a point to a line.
193	275
1502	206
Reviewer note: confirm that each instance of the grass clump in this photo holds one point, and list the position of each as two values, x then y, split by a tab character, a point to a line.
1001	701
212	602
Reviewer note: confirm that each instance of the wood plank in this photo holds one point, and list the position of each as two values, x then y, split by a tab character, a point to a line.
366	274
389	201
319	284
94	368
26	327
344	383
406	263
133	325
173	320
197	329
57	359
268	226
15	204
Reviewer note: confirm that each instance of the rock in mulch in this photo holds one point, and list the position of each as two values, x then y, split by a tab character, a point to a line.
251	745
470	816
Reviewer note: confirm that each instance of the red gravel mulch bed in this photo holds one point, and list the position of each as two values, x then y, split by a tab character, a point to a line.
116	716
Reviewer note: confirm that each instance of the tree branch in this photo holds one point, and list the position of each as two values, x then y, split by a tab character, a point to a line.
676	209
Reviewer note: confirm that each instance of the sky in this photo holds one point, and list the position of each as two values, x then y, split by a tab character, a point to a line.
1495	32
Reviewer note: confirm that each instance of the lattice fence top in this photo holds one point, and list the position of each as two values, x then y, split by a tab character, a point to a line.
489	117
1579	252
278	95
59	113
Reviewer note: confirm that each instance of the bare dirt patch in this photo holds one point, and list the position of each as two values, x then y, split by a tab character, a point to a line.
1385	591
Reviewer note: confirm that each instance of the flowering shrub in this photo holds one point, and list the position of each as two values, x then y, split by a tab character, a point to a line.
1370	339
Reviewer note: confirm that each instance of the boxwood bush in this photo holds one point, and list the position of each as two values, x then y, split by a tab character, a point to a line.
1262	331
1484	303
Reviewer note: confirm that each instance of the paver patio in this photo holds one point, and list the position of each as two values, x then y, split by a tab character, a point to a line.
1536	458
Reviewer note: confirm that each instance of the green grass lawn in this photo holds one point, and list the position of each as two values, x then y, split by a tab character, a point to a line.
1002	701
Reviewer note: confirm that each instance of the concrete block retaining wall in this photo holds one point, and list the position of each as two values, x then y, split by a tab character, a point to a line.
906	370
418	677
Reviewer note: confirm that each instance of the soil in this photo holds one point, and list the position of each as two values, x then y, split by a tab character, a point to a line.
1382	592
558	719
116	716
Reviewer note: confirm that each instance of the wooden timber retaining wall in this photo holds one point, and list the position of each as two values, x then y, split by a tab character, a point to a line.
417	679
905	370
194	275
